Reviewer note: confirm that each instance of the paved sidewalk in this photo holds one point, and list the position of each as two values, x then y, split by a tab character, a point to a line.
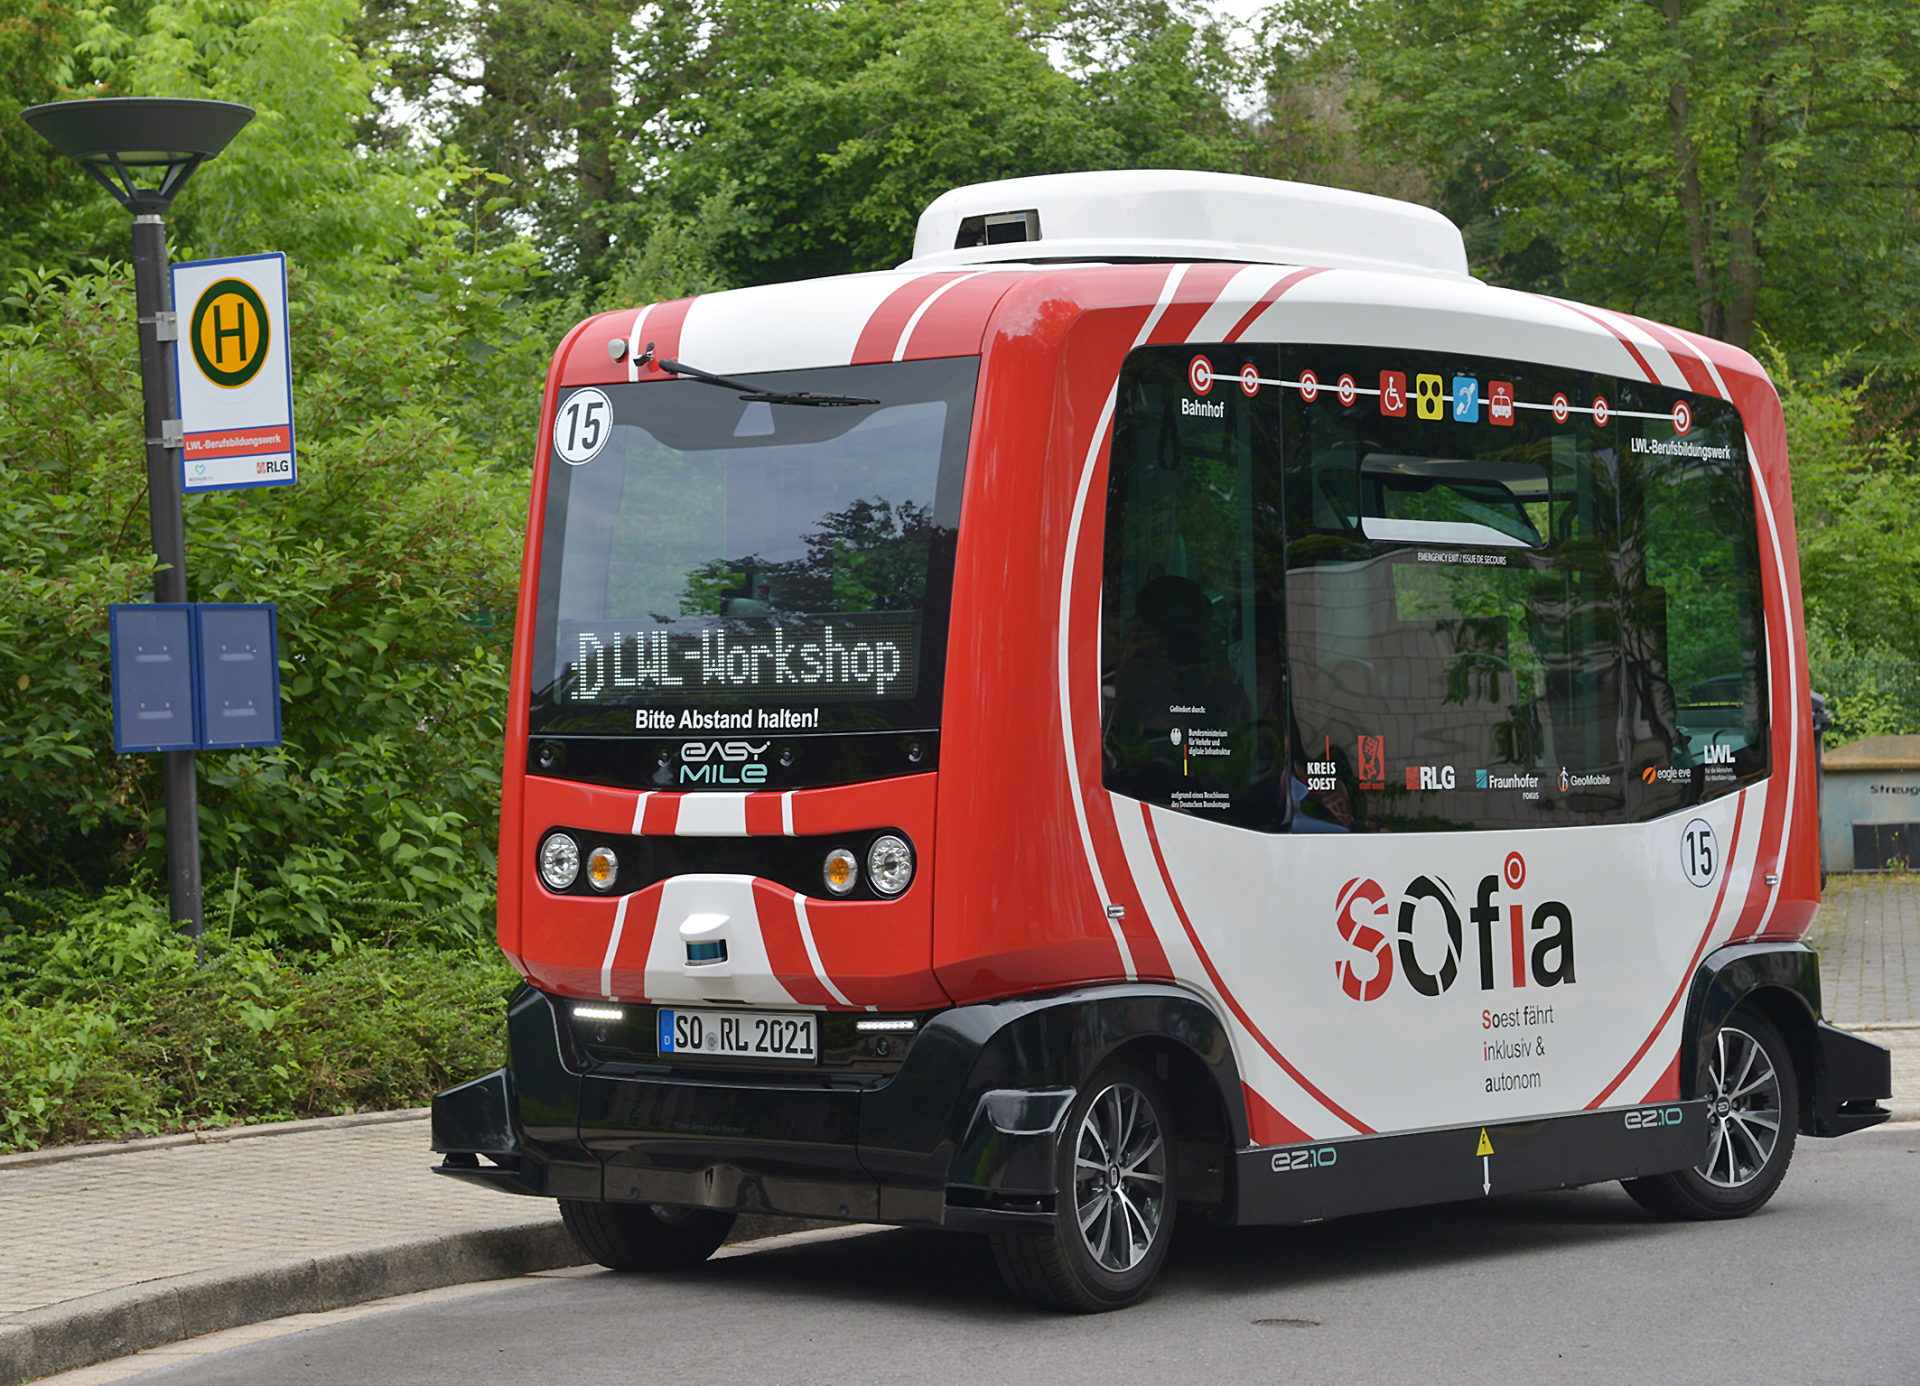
111	1252
82	1226
1868	935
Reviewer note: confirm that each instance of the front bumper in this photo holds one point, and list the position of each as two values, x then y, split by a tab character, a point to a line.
962	1134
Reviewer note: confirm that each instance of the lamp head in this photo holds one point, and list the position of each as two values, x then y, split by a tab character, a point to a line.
116	135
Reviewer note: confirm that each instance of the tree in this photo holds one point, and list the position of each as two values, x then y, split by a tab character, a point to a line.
564	98
1726	164
393	562
832	126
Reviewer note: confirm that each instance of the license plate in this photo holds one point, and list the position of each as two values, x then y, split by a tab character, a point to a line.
765	1036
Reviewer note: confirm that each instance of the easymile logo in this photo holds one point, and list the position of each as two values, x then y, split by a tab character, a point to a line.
1536	946
711	762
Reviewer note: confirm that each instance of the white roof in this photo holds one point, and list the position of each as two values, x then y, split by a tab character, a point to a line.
1162	214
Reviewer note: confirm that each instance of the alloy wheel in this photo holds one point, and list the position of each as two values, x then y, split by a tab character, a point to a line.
1744	1118
1119	1184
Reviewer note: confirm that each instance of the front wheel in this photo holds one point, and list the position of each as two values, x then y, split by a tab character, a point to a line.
1751	1124
645	1236
1113	1214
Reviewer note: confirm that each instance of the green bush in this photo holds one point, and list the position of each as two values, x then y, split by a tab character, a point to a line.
113	1028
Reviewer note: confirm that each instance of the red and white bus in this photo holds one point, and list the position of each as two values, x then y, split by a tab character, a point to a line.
1176	699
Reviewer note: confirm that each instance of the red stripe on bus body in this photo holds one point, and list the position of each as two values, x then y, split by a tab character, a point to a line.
957	322
1699	950
1773	821
1246	1021
1618	336
628	974
662	328
1200	288
881	335
763	816
662	815
1268	299
786	950
1149	955
1265	1125
1687	357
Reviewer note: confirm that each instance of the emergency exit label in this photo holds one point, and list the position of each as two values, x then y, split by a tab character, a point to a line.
234	373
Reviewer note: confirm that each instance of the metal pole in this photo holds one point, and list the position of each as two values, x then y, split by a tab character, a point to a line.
154	297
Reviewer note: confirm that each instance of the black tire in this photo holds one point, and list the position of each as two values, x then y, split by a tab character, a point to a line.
1752	1123
1113	1221
644	1236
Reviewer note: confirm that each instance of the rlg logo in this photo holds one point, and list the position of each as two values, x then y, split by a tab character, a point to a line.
1550	961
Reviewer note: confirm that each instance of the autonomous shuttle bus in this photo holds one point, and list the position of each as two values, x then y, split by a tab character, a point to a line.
1178	699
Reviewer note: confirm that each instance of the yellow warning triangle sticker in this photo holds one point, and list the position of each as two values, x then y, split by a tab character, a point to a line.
1486	1146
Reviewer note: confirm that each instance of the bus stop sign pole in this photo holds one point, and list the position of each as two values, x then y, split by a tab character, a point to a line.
143	150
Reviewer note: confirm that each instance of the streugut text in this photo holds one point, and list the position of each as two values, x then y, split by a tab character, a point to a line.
866	659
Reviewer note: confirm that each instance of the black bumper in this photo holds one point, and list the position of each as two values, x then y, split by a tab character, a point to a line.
961	1134
1853	1076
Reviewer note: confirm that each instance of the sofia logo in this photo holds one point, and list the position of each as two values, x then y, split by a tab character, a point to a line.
1501	943
1366	938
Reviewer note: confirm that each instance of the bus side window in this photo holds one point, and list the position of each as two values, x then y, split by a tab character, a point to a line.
1551	617
1700	550
1190	655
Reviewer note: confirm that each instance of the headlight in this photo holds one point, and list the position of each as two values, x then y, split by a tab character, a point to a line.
602	867
889	864
559	861
841	870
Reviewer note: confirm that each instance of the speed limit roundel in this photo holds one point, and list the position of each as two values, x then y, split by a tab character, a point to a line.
582	426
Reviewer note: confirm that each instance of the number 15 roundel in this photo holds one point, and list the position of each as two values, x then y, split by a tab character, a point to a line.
580	429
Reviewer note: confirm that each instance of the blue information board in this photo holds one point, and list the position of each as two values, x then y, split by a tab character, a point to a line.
151	648
239	684
194	676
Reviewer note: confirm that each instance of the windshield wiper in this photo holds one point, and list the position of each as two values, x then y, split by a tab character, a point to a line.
748	392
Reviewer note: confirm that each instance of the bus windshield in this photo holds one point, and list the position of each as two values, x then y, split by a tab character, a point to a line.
717	562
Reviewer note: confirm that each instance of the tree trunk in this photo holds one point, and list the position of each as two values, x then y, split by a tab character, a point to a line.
1692	203
594	128
1743	238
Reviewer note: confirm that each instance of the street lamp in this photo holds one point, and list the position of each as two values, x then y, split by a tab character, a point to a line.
143	150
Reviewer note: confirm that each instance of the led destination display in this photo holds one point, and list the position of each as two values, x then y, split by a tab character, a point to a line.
870	655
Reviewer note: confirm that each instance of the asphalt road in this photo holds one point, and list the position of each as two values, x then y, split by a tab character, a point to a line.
1823	1286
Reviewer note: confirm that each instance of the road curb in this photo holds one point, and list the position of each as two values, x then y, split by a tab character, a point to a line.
115	1323
215	1135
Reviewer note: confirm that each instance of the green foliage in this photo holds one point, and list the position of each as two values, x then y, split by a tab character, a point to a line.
400	531
111	1028
1723	164
833	125
1856	490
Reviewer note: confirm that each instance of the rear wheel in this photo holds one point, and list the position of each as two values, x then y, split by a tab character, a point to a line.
645	1236
1754	1113
1113	1215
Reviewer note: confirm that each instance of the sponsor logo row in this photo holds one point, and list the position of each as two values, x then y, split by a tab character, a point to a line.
1322	775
